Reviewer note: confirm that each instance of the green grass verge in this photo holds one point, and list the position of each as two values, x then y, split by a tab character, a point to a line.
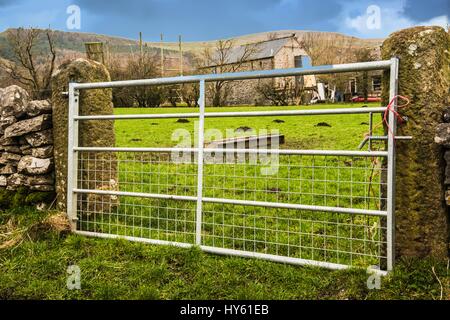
117	269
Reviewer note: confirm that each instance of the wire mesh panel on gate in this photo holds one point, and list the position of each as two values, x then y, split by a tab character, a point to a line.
347	182
331	208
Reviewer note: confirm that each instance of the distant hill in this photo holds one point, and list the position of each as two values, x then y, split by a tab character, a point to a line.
257	37
71	44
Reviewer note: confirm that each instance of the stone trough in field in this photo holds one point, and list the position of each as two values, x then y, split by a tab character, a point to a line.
250	142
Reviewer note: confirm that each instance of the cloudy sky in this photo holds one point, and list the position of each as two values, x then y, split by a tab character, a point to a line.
214	19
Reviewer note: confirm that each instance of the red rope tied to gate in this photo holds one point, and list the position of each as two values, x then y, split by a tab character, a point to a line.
390	108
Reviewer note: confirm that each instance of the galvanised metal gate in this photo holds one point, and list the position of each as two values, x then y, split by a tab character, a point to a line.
329	209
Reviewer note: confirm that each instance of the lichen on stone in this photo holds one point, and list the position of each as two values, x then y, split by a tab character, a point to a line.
421	214
91	133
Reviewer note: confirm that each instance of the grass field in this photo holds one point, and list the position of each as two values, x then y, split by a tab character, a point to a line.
348	182
345	132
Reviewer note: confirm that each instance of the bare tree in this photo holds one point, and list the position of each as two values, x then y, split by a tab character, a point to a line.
172	94
277	96
323	49
137	66
117	67
142	66
190	93
315	47
286	93
30	67
224	58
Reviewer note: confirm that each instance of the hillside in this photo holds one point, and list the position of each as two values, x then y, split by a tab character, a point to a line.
74	41
338	38
70	45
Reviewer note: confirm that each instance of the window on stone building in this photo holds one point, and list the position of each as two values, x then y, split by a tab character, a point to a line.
298	62
376	83
353	86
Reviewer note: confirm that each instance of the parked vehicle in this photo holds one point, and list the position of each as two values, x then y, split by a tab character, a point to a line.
369	99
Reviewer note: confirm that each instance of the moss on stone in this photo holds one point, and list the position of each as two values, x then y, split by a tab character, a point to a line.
421	213
18	197
39	197
5	198
91	133
23	197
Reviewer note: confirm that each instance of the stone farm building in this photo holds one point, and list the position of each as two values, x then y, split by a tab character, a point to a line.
279	53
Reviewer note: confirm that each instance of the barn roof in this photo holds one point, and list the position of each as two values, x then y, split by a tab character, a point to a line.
263	50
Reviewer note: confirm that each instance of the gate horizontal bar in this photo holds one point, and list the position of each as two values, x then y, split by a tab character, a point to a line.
237	202
386	137
136	194
236	114
280	205
283	259
246	75
348	153
130	238
381	138
228	252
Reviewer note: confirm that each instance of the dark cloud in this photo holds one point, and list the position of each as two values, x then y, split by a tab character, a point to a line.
196	8
208	19
420	10
5	3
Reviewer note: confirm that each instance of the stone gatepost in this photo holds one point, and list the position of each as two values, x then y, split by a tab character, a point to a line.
91	133
421	212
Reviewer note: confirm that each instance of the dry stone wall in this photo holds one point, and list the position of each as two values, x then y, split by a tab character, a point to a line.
34	138
26	142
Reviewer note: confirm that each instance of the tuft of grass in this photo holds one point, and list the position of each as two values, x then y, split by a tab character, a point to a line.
27	223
